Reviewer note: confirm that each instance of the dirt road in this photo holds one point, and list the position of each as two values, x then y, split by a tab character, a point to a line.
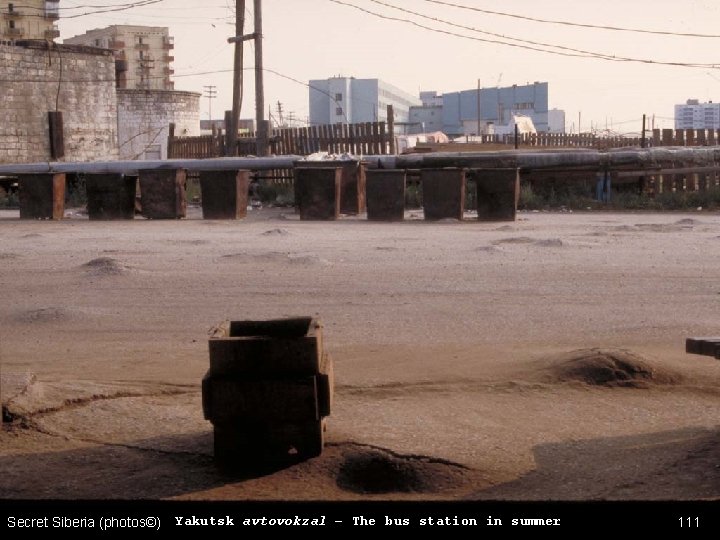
540	359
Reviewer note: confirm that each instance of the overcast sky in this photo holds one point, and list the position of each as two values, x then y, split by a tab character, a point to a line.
316	39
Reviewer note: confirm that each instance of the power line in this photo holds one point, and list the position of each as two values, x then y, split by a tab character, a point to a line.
214	72
450	23
569	23
98	9
447	32
598	56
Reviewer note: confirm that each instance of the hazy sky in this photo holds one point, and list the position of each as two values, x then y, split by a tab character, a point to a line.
315	39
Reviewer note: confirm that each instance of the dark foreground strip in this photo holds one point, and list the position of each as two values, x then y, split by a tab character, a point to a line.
494	518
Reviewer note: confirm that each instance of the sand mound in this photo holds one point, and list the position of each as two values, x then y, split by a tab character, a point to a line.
515	240
276	232
45	315
611	367
308	260
549	242
546	242
488	249
278	257
196	242
373	470
105	266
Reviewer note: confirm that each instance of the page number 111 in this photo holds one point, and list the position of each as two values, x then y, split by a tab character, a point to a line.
689	522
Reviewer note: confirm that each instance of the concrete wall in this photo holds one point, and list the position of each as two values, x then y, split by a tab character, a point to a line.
32	82
144	117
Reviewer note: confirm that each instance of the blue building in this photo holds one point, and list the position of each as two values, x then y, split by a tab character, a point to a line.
497	105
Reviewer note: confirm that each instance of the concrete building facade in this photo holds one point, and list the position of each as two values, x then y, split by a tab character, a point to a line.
79	82
696	115
29	19
425	118
144	118
143	58
556	121
497	106
349	100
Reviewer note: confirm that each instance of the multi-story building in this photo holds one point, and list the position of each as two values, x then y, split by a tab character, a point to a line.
29	19
427	117
696	115
556	121
497	106
142	54
348	100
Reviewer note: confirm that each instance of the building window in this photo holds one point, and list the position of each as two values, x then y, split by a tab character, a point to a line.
338	97
339	111
11	8
11	24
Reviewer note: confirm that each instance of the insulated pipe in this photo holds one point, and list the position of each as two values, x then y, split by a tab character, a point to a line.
623	158
132	167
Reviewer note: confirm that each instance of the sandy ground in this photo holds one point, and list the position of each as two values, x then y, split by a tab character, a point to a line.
454	347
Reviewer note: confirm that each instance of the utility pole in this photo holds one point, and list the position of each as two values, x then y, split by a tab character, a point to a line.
262	128
642	135
478	111
280	120
232	129
211	94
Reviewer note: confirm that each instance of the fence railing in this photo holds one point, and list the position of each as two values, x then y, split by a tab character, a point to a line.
655	137
357	139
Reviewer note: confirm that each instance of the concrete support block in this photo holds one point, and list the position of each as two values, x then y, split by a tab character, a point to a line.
317	192
352	188
279	400
42	196
268	390
443	193
385	192
352	182
498	193
224	194
162	193
706	346
110	196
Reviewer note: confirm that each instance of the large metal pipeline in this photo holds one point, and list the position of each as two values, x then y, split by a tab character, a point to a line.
649	158
132	167
580	159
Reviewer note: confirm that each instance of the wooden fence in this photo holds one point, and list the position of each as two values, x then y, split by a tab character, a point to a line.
656	137
204	146
369	138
